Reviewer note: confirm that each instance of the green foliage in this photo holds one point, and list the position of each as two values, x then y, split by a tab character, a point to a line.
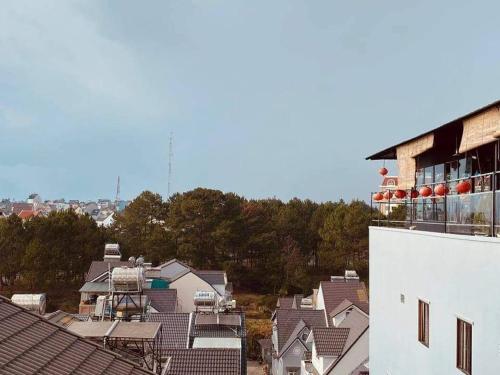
266	246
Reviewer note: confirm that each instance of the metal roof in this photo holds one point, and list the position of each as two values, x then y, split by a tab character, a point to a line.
390	152
117	329
97	287
30	344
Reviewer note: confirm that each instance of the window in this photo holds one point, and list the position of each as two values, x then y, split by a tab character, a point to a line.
423	322
464	346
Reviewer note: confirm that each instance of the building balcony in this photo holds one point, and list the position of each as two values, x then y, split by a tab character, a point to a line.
476	212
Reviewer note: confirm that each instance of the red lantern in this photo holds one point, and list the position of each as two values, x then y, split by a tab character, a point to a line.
378	197
441	189
414	194
425	191
400	194
383	171
388	194
463	187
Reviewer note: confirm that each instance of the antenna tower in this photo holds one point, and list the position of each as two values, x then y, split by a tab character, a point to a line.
170	156
117	198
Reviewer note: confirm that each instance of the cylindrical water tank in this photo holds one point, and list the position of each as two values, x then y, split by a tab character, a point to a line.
127	279
204	298
32	302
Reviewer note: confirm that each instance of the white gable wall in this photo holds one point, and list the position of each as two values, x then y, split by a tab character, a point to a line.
187	286
353	358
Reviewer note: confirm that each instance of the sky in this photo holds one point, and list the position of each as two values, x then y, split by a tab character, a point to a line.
264	98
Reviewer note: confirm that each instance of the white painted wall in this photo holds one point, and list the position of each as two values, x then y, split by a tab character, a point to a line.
355	357
458	275
186	287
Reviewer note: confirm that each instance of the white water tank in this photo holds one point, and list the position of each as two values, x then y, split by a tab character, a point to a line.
127	279
204	299
112	251
31	302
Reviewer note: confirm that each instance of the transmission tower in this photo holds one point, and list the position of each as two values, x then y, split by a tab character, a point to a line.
170	156
117	198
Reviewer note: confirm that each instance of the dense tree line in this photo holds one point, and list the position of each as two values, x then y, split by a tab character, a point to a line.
48	252
266	245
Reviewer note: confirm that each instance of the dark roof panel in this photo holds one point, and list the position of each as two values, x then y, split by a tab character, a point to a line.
175	329
30	344
98	267
204	361
330	341
162	300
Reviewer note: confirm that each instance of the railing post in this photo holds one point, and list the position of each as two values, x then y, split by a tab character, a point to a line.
493	192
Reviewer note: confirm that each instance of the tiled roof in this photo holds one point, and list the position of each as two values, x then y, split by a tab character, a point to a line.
162	300
336	291
203	361
212	277
26	214
20	206
287	320
98	267
330	341
175	329
285	302
29	344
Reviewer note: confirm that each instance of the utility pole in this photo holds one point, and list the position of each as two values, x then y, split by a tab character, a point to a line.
170	156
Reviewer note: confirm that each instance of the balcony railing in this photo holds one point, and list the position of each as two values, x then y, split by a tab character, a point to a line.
473	213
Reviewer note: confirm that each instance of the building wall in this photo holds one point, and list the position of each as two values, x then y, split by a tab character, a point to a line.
186	287
354	357
458	275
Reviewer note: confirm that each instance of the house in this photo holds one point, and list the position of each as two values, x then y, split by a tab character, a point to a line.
291	328
31	344
434	277
388	183
27	214
338	312
340	290
105	219
340	349
187	281
17	207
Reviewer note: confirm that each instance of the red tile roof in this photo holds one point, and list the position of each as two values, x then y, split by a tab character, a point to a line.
26	214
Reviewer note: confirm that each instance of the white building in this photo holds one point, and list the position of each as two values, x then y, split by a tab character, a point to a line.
434	284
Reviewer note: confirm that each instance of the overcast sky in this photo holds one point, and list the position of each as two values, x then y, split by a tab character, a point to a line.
264	98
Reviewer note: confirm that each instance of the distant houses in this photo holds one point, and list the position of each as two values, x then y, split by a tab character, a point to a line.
103	211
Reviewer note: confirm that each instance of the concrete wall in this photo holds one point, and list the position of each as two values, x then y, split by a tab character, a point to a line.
186	287
458	275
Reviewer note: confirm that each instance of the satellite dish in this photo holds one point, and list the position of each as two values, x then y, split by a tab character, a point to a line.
140	260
